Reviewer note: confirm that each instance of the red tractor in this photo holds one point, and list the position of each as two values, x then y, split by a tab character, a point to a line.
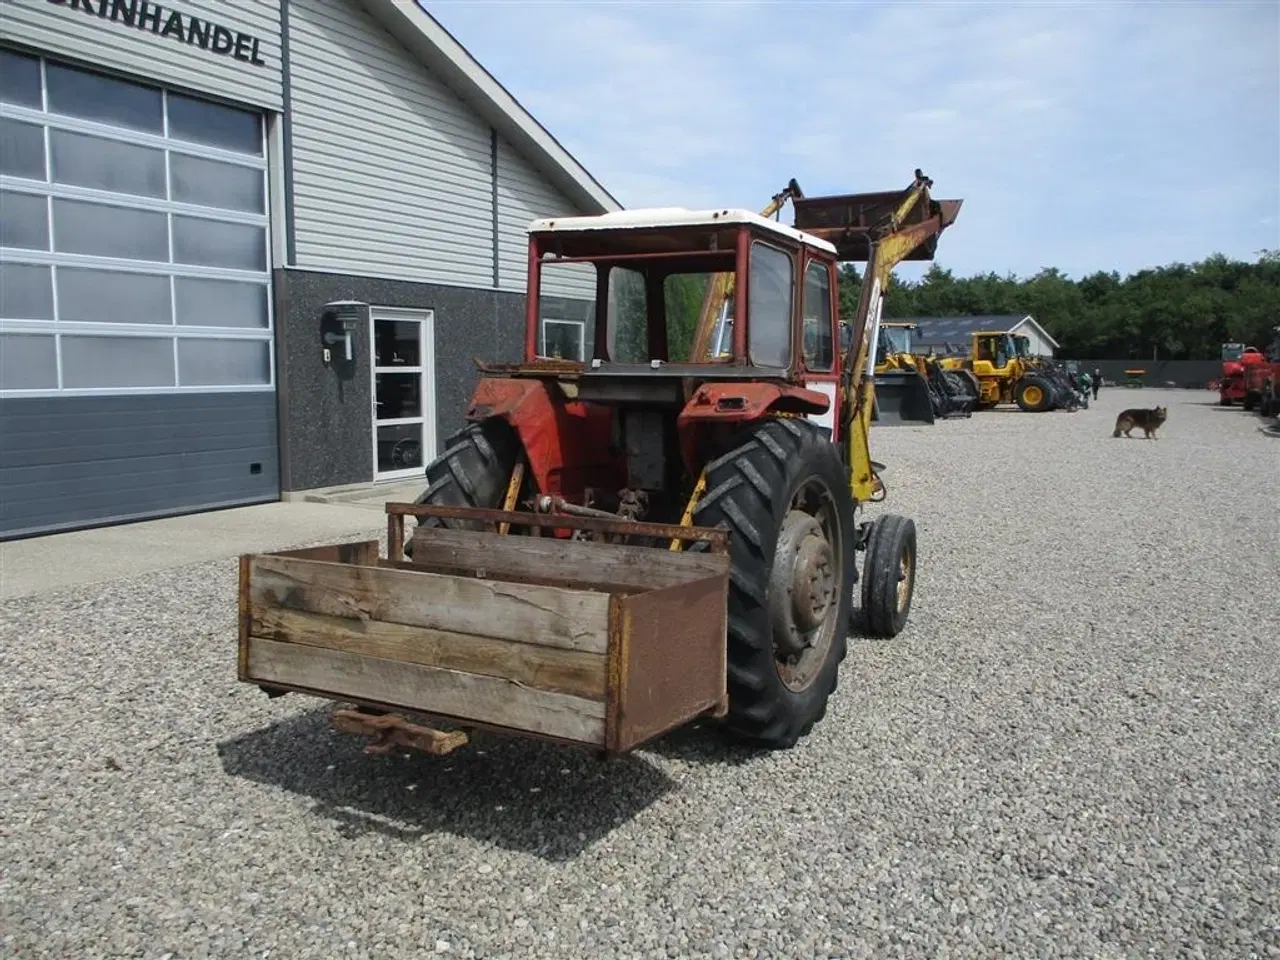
656	531
1262	381
1237	361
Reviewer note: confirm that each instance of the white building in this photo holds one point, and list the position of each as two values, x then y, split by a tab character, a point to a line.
185	186
939	332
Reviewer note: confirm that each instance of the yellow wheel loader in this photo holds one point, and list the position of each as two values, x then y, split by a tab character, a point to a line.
1005	373
610	549
901	381
913	387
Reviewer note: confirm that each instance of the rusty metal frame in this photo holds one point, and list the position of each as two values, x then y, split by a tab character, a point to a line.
716	539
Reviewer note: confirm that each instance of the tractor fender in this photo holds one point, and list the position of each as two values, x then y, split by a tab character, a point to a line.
735	404
745	402
564	440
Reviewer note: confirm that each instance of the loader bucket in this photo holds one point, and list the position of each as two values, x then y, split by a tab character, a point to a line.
902	399
853	221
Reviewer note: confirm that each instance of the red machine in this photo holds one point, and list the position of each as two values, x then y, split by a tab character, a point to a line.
1262	382
1236	360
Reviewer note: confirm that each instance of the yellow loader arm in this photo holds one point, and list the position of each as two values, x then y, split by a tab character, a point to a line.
722	284
882	229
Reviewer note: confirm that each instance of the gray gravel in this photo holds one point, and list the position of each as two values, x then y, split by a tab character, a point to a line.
1073	750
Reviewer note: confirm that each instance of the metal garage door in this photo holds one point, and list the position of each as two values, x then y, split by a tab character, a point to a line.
136	367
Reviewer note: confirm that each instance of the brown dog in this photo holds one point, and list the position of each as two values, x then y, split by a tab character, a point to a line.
1148	420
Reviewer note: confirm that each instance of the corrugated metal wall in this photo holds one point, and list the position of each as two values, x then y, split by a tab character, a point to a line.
525	195
76	461
159	47
393	172
391	169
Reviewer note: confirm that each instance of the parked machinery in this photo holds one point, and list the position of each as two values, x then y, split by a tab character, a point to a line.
1057	372
614	547
1006	372
913	386
1261	379
1237	360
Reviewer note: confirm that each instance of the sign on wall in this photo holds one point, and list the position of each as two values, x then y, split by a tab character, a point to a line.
170	24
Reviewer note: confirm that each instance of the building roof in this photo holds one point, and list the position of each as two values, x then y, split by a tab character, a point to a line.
958	329
424	36
678	217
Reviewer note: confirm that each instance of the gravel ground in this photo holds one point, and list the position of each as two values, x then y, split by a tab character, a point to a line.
1073	750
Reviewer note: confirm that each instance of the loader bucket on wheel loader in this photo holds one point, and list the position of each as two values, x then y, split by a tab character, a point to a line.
902	399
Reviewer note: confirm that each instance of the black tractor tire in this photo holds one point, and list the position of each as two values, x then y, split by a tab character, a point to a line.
1047	394
473	471
752	491
975	385
1249	402
1269	406
964	389
938	399
888	575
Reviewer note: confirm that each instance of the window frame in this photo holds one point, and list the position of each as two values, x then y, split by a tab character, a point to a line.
790	338
823	267
174	330
564	322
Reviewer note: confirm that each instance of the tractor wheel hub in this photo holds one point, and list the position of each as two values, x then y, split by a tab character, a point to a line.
812	582
802	584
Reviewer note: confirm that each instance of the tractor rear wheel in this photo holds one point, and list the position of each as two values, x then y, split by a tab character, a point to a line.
473	471
784	495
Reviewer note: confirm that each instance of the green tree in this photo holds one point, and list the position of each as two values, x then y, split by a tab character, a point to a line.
1177	312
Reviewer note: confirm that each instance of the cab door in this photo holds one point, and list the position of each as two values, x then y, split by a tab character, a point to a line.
818	339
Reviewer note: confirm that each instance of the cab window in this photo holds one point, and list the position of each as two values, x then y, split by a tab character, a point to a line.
818	353
769	302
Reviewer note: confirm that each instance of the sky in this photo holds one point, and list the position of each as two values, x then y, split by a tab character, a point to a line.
1083	136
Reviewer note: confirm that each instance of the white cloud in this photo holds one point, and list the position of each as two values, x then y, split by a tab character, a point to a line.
1090	136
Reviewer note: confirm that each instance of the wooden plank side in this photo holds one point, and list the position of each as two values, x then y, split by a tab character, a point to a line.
547	616
361	552
571	562
674	658
410	686
543	668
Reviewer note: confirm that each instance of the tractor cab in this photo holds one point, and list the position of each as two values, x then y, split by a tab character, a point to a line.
667	295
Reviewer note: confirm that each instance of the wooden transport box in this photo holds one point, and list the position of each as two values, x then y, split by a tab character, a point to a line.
593	644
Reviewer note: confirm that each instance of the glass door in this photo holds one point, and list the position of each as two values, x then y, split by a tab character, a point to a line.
403	392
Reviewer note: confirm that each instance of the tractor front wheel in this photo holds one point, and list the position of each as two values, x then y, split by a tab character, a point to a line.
888	575
784	495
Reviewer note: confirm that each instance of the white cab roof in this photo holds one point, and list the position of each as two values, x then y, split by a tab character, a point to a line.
675	217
